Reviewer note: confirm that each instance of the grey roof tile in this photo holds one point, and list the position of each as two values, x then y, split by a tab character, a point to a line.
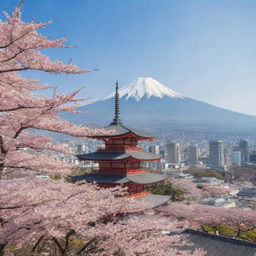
215	245
140	155
144	178
119	129
154	200
251	192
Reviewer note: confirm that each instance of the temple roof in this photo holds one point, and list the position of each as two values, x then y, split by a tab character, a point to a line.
103	155
143	178
119	130
215	245
154	200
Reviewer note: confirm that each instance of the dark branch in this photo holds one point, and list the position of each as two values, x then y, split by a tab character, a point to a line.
38	242
87	245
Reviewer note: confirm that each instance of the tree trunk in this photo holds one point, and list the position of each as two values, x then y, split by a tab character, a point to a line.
2	246
1	156
238	234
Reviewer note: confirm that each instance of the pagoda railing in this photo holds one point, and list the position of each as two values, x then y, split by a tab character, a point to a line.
120	171
119	149
140	194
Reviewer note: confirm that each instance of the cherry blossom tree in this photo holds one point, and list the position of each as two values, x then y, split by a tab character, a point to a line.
216	191
45	216
195	193
190	189
21	108
200	215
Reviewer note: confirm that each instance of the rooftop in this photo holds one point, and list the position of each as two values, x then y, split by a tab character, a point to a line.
104	155
154	200
144	178
251	192
216	245
120	130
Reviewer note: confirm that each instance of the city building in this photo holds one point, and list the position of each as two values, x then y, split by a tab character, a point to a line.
173	152
209	180
192	153
227	158
156	165
155	149
82	149
236	158
246	198
243	147
120	161
223	202
216	154
253	157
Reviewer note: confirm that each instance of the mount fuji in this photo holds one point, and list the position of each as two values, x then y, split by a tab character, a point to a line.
146	103
145	87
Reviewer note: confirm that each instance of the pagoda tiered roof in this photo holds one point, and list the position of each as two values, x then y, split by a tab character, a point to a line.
104	156
120	130
154	200
143	178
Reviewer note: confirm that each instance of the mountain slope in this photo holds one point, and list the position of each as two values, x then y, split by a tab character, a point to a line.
145	103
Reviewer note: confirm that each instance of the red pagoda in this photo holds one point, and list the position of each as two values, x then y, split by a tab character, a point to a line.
120	160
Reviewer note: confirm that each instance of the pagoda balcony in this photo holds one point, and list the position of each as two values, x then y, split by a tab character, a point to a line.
139	194
119	149
120	171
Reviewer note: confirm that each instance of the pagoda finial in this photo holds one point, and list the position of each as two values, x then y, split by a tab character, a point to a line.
117	119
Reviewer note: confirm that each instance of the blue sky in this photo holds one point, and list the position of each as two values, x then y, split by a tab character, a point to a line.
204	49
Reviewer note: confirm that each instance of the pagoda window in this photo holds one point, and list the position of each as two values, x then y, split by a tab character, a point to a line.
104	164
118	164
133	189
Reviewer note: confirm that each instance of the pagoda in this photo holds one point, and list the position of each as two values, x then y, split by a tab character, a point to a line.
120	160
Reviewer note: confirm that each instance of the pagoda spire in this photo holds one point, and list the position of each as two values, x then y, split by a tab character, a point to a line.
117	119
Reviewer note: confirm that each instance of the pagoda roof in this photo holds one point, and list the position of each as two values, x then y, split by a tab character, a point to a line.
104	155
154	200
143	178
120	130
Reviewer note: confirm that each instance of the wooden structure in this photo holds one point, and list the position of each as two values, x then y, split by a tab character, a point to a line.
120	159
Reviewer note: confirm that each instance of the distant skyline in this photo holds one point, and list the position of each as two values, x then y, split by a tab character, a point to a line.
203	49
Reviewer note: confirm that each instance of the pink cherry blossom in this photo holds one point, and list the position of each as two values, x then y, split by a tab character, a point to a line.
37	211
23	109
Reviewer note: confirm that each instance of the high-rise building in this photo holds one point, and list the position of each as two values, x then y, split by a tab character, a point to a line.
253	157
216	156
154	149
173	152
243	147
227	158
192	153
236	158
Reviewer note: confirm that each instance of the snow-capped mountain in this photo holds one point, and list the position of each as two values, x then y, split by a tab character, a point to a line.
145	87
146	103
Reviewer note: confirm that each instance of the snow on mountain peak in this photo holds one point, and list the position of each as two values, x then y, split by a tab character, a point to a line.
148	87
